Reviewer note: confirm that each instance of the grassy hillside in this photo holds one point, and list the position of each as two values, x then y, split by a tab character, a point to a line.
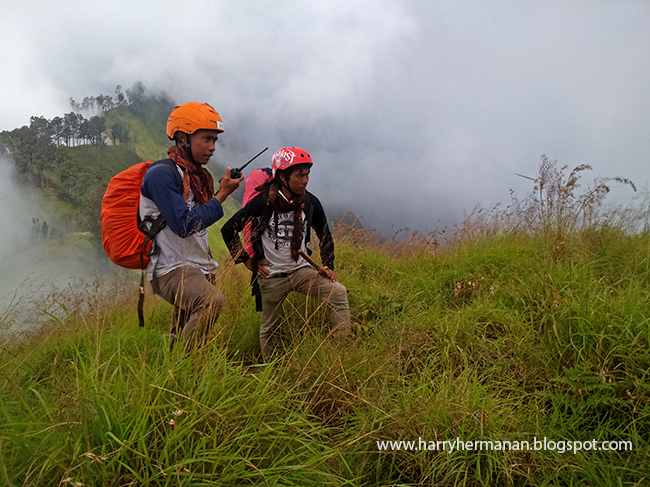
507	338
516	354
103	161
146	133
80	168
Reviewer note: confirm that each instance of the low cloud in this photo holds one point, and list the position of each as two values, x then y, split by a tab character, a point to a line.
413	111
35	269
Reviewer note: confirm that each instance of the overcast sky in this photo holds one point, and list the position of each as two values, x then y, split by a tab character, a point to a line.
412	110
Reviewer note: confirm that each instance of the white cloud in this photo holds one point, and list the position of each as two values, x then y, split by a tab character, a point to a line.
425	104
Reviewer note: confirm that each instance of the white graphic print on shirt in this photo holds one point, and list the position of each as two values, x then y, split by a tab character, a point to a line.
281	258
281	236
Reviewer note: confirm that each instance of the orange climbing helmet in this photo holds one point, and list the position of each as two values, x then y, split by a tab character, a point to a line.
289	156
193	116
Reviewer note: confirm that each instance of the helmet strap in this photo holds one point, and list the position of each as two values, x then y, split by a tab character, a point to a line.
284	184
186	146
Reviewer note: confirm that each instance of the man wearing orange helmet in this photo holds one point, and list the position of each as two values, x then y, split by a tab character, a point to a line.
282	215
182	268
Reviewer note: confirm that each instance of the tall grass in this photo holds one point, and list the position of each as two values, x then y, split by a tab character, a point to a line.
107	404
506	334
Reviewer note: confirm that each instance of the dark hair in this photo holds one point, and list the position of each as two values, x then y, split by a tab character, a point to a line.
286	173
177	137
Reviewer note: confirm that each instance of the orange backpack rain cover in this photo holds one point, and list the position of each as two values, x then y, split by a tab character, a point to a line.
121	237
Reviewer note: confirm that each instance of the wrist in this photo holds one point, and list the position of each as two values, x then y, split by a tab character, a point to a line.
220	196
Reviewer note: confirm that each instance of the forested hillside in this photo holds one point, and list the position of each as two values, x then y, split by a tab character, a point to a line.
71	157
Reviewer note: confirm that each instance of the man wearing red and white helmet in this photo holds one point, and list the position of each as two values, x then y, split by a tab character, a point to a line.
282	216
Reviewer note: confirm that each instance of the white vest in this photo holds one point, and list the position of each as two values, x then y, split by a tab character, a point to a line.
173	251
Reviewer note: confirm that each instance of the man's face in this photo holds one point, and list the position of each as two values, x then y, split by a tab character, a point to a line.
202	144
299	179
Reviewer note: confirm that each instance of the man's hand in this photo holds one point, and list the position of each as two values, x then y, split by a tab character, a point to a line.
227	186
261	267
330	274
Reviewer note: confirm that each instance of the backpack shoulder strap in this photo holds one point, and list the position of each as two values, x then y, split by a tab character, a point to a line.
157	224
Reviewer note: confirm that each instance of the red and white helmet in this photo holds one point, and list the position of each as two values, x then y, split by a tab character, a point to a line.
289	156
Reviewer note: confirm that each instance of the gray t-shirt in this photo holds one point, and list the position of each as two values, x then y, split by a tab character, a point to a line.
281	258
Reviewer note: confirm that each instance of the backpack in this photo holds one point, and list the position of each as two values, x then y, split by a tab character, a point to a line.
252	182
126	239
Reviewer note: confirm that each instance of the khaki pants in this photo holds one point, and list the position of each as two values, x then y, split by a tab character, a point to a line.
197	304
307	281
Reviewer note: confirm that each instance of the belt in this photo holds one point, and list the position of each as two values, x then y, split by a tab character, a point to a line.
281	274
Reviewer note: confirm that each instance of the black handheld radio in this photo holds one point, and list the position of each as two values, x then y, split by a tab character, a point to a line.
235	172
